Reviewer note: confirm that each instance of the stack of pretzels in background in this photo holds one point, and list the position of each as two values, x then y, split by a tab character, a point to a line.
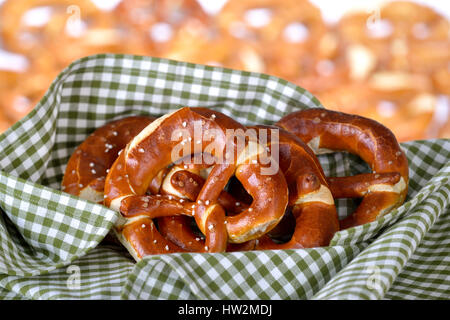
177	191
390	63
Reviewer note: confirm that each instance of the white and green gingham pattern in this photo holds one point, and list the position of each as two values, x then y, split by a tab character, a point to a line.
51	242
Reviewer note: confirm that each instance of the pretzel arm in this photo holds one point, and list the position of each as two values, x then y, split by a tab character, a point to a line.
373	205
154	206
178	229
144	239
359	185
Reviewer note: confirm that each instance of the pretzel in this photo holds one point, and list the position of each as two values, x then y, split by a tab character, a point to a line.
49	46
382	190
72	30
152	150
16	101
170	28
314	217
284	33
416	21
160	23
88	165
19	37
404	102
401	35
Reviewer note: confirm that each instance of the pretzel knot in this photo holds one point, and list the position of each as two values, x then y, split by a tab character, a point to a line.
382	190
158	146
186	182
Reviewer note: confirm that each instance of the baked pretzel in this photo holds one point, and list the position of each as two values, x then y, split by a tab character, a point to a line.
382	190
153	150
416	21
20	37
401	36
70	31
404	102
315	218
159	23
283	33
18	100
90	162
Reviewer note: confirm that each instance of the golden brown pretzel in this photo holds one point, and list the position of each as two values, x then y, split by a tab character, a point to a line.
400	36
153	150
282	34
403	102
20	91
162	24
87	167
68	32
310	199
416	21
20	37
382	190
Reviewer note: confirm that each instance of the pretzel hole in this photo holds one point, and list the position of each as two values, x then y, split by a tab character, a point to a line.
192	224
37	17
258	17
380	28
284	230
161	32
296	32
237	190
420	30
386	109
325	68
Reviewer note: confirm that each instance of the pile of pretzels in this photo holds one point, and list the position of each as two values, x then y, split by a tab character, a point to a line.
177	191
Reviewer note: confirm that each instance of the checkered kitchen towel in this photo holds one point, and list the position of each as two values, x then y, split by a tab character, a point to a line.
50	241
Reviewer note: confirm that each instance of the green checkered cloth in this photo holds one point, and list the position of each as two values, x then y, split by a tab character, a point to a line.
51	242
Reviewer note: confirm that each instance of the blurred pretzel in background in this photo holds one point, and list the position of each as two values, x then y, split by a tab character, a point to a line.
391	64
